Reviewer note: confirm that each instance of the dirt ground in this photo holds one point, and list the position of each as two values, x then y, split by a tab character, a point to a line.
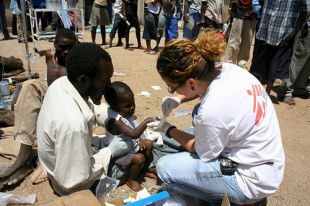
139	71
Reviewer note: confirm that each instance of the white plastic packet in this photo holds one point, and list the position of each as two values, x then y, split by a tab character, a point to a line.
6	198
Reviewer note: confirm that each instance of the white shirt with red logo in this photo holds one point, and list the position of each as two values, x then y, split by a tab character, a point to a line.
237	120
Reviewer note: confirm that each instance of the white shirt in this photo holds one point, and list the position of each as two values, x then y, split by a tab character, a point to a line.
118	7
214	10
64	131
195	4
237	120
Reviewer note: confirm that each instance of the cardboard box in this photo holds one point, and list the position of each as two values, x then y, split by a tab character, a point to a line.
81	198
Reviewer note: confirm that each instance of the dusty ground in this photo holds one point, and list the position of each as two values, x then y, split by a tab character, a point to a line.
139	71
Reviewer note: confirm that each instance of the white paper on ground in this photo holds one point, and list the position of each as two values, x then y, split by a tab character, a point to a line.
157	88
144	93
6	198
118	74
142	194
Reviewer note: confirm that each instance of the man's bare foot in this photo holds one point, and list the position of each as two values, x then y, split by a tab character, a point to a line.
38	175
16	177
150	175
134	185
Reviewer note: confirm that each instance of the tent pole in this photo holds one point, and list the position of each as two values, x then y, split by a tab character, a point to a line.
23	8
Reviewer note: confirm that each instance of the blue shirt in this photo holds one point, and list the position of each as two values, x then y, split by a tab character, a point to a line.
281	20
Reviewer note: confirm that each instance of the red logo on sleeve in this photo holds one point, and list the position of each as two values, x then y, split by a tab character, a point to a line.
259	102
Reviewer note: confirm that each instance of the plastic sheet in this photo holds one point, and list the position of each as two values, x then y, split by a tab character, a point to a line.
6	198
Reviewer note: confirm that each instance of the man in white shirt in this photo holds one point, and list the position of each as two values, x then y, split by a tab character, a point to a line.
65	122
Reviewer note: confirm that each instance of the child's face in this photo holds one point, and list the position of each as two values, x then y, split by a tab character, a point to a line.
126	105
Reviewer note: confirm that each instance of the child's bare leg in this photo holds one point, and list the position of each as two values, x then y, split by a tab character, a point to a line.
148	46
137	164
149	156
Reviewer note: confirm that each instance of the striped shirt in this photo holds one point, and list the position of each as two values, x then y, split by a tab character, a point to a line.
281	20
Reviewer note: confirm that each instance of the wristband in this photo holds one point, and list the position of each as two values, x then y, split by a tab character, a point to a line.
168	131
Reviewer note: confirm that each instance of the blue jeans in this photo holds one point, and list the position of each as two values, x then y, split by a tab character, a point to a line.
192	27
185	173
171	28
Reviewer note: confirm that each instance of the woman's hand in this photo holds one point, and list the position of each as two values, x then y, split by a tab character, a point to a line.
160	126
168	104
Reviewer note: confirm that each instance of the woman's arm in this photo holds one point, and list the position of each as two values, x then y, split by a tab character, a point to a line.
185	139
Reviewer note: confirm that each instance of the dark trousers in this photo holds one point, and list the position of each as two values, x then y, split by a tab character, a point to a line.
118	25
3	23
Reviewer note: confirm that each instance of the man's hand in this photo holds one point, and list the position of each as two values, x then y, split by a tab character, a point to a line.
168	104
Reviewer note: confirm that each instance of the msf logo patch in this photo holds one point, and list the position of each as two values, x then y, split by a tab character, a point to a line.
259	102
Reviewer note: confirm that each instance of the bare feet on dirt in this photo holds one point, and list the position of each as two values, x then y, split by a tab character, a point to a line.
134	185
38	175
17	176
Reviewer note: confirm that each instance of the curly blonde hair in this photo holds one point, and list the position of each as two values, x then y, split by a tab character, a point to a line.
182	59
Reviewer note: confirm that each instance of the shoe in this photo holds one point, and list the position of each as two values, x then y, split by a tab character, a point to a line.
119	44
155	49
303	96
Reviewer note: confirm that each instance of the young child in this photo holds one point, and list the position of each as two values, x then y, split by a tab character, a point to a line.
119	23
120	126
150	24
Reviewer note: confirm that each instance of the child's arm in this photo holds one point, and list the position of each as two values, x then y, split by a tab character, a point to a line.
119	127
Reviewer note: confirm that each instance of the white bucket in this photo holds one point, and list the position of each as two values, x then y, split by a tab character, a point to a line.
4	88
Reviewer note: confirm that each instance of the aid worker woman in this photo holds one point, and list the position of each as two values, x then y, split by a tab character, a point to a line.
236	124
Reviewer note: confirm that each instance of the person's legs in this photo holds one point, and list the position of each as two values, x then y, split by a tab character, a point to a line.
161	27
3	22
150	30
93	34
191	28
171	29
104	20
94	22
121	32
137	164
234	41
299	69
116	25
247	33
261	60
102	31
186	173
279	64
27	109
